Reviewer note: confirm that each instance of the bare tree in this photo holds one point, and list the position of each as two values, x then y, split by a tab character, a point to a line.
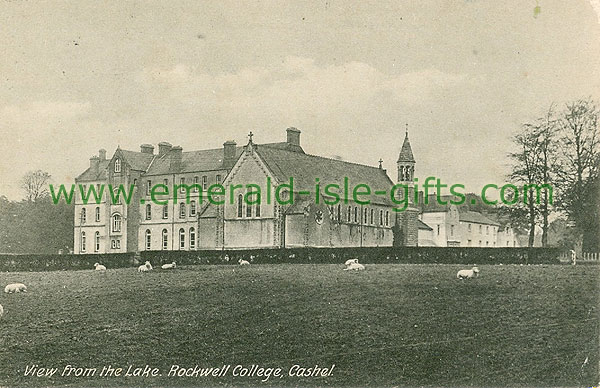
35	185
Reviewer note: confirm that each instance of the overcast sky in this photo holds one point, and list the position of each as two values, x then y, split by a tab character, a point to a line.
84	75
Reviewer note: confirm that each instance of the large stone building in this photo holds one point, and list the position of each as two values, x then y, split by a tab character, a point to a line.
183	220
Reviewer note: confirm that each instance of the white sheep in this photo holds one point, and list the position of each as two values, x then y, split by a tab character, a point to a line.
145	267
350	261
173	265
243	262
468	273
354	266
99	267
15	287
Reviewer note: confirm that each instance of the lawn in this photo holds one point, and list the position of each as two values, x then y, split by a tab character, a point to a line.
391	325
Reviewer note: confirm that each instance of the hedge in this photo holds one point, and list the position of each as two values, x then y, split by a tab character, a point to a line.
371	255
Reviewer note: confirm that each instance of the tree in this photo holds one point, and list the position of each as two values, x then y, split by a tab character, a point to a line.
35	185
577	172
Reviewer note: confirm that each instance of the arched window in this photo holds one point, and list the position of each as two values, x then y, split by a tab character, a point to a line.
192	238
165	239
339	212
181	238
355	214
240	206
192	208
166	211
372	216
97	242
82	241
116	223
117	165
83	216
349	215
148	211
387	218
365	213
257	210
380	217
148	239
248	210
97	214
182	210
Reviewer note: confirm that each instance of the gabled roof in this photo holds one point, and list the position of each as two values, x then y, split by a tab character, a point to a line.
305	168
192	161
423	226
137	160
475	217
89	175
406	154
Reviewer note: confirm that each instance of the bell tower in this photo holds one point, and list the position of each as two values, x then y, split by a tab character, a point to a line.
406	229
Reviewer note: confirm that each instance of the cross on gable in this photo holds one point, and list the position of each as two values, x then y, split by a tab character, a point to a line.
380	162
250	137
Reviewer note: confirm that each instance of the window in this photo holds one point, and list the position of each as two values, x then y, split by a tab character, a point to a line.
248	210
365	215
487	243
83	216
196	184
469	242
204	182
469	227
82	241
387	218
479	242
117	165
181	239
117	197
148	212
182	185
118	244
148	239
240	205
116	223
349	213
487	230
113	244
165	239
192	238
97	242
480	230
355	214
372	216
97	214
438	230
192	208
381	217
85	189
182	210
166	211
148	187
218	178
257	210
451	230
339	212
166	182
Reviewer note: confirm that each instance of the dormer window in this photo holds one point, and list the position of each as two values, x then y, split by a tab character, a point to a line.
117	165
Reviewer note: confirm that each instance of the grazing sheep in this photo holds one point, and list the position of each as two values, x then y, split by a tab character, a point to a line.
145	267
148	265
354	266
468	273
243	262
15	287
173	265
350	261
99	267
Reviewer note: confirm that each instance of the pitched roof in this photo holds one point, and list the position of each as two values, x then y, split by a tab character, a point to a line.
137	160
423	226
203	160
89	175
305	168
475	217
406	154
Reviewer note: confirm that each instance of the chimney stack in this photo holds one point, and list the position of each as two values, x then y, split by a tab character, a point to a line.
94	164
293	136
102	154
164	148
176	155
147	149
229	154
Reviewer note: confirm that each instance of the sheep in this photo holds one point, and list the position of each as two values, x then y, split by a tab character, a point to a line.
99	267
145	267
15	287
243	262
173	265
350	261
467	273
354	266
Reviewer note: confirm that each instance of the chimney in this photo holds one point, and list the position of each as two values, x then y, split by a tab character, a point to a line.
147	149
102	154
229	154
293	136
176	154
94	164
163	148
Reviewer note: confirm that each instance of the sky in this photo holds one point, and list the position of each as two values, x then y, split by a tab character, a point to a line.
464	75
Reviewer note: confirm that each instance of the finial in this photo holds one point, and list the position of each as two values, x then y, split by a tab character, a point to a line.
406	129
380	163
250	137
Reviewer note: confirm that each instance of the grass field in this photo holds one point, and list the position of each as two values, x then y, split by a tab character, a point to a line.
391	325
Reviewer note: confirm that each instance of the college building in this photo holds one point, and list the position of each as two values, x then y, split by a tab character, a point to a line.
284	216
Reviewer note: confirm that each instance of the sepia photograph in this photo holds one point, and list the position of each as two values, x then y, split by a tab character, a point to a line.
299	193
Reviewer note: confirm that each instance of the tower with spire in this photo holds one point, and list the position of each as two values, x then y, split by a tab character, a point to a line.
406	230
